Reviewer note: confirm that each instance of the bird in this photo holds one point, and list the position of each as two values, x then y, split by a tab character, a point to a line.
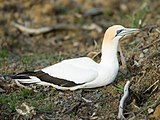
82	72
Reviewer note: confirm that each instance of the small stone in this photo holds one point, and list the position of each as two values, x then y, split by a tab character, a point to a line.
61	93
150	110
75	44
141	55
136	63
123	7
96	105
93	12
145	50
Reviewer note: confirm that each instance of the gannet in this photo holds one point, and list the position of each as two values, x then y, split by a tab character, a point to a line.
82	72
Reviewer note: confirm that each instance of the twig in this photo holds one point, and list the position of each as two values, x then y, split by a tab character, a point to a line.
43	30
121	105
151	86
158	31
156	103
73	107
93	55
150	45
96	55
155	40
149	28
87	101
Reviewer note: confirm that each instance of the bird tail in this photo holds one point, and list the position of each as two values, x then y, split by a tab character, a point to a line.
23	77
41	78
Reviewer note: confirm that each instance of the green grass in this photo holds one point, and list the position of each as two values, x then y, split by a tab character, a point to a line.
138	18
44	107
119	88
41	58
3	53
14	99
9	101
28	61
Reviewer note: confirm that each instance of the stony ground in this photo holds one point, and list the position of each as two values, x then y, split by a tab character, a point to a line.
84	23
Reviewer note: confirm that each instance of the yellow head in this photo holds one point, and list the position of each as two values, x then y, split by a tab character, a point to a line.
116	32
111	40
111	32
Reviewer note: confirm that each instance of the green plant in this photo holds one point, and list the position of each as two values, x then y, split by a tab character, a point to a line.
3	53
14	98
138	17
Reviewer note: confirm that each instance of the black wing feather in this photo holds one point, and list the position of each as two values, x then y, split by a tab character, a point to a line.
44	77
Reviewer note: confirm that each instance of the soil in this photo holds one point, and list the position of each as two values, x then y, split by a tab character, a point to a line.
20	51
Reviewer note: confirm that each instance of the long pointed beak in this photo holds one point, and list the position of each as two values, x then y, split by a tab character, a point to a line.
127	31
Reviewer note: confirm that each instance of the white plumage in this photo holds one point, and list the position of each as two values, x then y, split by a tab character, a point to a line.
79	70
82	72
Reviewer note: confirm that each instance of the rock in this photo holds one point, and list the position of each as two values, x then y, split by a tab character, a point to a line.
145	50
123	7
150	110
93	12
141	55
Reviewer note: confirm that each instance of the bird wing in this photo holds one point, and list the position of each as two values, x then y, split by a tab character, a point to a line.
79	70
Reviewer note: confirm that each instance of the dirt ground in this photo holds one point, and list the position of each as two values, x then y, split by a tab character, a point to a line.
82	26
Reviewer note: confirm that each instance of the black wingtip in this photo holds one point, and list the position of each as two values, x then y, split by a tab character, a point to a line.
5	77
22	75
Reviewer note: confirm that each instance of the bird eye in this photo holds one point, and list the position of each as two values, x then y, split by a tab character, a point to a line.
118	31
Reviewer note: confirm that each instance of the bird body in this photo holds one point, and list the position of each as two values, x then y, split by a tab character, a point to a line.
82	72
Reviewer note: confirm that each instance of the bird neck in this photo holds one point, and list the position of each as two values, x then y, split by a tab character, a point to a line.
109	52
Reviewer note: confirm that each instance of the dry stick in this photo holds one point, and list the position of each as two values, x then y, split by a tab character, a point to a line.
155	41
158	31
151	86
87	101
44	29
121	105
155	104
149	28
56	27
122	57
150	45
96	55
72	107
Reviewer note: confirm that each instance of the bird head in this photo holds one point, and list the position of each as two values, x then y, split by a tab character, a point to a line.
116	32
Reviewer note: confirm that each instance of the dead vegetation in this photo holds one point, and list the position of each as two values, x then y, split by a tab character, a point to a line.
89	19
